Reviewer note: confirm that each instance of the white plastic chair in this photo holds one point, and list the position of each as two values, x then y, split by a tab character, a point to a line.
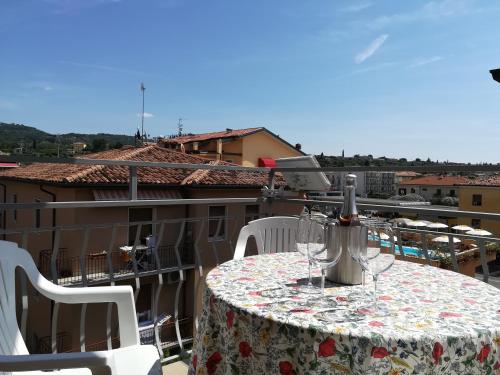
130	358
272	234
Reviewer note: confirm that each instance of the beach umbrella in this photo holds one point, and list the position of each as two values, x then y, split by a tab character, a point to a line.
437	226
462	228
445	239
416	223
478	232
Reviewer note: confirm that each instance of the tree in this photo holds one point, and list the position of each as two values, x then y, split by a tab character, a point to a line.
99	144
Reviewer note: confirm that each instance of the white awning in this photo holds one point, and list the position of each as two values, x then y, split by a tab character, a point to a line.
142	194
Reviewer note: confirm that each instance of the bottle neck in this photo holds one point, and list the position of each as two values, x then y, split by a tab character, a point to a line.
349	213
349	207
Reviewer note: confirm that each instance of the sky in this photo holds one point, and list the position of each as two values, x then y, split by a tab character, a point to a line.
382	77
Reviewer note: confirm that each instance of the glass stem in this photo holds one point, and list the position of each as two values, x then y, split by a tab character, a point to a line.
309	283
375	277
322	280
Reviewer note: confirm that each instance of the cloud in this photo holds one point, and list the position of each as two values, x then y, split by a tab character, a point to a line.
101	67
371	49
356	7
425	61
146	115
48	88
431	10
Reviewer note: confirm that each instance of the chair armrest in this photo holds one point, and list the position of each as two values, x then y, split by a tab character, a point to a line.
121	295
241	243
37	362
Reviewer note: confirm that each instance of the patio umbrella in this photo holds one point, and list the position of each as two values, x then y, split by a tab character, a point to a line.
384	236
445	239
437	226
478	232
400	220
462	228
416	223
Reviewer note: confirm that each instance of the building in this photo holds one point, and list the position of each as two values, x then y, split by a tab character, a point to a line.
78	147
252	147
82	244
369	184
432	188
481	195
402	176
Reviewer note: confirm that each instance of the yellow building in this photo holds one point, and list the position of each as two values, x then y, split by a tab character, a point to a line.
481	195
252	147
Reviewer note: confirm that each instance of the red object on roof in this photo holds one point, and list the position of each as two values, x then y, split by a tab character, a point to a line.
267	162
9	165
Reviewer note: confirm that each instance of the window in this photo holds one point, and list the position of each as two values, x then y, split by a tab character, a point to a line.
251	212
452	193
216	222
412	190
438	191
424	189
475	223
402	191
139	214
37	215
477	199
14	212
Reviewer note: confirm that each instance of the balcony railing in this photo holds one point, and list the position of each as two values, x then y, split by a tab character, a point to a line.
183	255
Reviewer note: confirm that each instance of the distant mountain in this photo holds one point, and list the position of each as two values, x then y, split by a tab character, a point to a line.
37	142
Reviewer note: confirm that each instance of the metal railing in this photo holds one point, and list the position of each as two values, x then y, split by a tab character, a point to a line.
87	267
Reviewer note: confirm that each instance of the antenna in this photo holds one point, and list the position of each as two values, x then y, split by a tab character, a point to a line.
142	115
180	125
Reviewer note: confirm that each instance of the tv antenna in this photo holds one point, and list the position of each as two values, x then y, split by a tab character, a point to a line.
180	126
142	115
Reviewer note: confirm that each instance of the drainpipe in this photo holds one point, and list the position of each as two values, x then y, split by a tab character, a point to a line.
4	214
54	199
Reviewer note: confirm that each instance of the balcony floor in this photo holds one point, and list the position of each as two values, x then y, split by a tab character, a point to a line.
176	368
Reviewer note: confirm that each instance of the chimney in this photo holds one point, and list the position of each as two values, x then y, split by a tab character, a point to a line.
298	146
228	130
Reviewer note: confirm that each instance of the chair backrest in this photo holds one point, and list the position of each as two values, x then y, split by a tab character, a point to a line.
272	234
11	257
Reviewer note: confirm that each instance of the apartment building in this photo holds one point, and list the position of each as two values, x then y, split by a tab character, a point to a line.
252	147
369	184
433	188
86	246
481	195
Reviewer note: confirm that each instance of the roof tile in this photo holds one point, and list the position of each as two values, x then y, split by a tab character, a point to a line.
74	174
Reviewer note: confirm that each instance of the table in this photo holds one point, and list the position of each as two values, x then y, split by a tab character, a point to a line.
440	322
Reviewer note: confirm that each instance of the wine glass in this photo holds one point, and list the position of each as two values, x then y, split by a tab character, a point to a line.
320	254
302	246
379	235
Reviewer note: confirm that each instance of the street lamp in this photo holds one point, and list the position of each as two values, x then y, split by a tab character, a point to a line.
495	73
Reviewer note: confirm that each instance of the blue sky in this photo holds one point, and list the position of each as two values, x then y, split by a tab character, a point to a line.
395	78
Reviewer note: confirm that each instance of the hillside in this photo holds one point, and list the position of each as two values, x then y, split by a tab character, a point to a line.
38	142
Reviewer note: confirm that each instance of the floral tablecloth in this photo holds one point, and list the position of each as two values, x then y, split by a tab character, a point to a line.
256	320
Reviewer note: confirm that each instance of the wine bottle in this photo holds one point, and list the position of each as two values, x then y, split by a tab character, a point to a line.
349	213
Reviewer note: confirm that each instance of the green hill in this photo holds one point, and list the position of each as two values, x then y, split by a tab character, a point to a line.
37	142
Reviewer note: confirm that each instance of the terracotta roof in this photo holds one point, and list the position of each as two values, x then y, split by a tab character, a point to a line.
229	133
436	181
483	181
407	174
72	174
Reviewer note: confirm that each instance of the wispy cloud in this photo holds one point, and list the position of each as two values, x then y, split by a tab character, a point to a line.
146	115
48	88
101	67
425	61
356	7
431	10
371	49
74	6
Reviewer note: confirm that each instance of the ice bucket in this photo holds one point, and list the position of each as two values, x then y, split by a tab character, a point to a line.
346	271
